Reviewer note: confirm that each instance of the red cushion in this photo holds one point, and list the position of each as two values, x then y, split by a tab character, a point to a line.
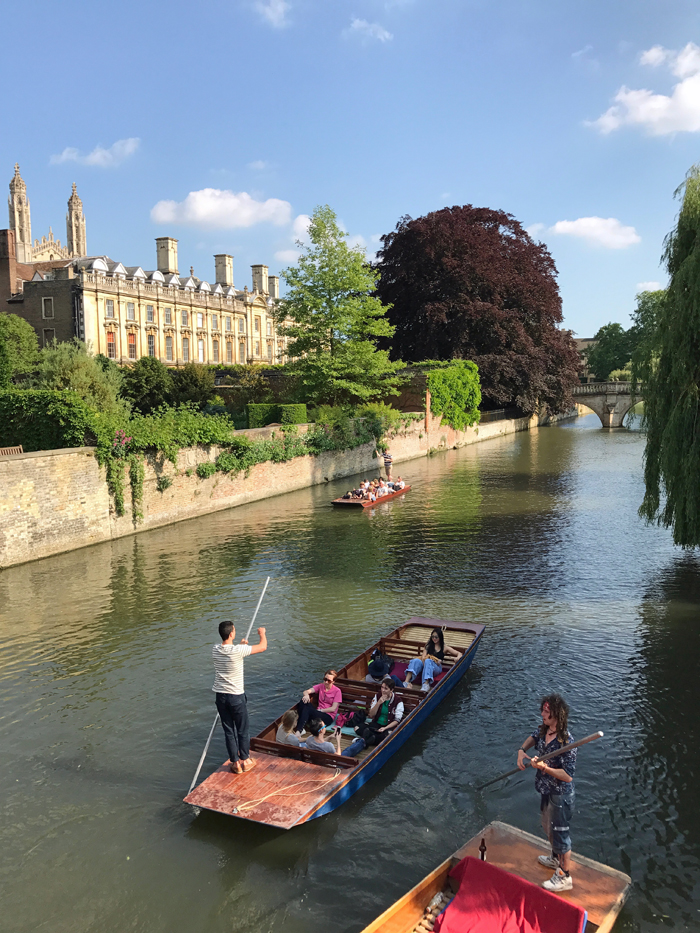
491	900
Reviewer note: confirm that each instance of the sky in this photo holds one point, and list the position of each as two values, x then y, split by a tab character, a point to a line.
224	124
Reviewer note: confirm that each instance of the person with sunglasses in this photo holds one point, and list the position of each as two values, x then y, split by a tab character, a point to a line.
329	699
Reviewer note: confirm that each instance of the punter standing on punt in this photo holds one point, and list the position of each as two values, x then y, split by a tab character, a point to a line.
554	783
230	693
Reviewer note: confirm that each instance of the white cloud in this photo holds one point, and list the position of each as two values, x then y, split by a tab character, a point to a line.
660	114
648	287
607	232
300	228
287	255
101	157
583	51
258	165
368	32
213	208
274	12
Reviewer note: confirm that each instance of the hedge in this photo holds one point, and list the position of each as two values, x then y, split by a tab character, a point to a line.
260	415
44	419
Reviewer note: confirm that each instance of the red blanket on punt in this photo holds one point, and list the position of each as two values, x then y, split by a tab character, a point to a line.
491	900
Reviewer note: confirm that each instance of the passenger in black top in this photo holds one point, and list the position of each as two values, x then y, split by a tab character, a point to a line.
430	661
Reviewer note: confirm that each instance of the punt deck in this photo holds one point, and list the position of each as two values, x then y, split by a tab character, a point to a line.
290	786
365	503
601	891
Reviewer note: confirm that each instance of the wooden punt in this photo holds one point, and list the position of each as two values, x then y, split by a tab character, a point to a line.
290	786
365	503
599	890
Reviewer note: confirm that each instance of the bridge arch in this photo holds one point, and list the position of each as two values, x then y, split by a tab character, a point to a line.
609	400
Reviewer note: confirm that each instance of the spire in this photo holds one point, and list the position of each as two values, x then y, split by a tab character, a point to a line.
20	219
75	225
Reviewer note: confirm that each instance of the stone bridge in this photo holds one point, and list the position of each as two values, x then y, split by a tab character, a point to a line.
609	400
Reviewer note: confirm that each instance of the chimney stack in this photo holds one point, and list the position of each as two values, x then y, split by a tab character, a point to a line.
274	285
166	252
223	264
260	279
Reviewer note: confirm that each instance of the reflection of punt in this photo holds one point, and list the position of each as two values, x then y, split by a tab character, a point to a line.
365	503
598	890
289	785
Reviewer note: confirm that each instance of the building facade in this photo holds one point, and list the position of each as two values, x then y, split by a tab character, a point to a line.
126	312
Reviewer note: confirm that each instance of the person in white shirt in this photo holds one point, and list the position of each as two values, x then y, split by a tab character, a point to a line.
230	693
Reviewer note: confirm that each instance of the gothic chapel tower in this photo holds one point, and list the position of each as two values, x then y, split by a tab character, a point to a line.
75	226
20	220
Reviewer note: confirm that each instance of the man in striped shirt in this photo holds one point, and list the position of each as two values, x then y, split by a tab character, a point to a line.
230	693
388	460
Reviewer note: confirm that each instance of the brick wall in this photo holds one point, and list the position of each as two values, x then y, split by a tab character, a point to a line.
54	501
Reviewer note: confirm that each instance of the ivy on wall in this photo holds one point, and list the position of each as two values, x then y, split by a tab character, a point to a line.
455	392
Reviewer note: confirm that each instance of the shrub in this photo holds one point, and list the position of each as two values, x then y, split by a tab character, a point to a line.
42	419
260	415
19	348
455	393
205	470
147	384
70	366
193	383
164	482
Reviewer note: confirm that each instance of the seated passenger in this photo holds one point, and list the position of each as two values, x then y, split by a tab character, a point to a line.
399	484
285	732
329	699
429	662
379	668
385	714
316	741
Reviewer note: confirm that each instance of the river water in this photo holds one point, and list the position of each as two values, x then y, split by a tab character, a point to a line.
105	699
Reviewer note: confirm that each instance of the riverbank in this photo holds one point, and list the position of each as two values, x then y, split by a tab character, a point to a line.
57	500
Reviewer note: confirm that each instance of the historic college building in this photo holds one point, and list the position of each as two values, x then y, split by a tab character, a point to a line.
126	312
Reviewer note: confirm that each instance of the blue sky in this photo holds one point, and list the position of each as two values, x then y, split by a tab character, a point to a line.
225	123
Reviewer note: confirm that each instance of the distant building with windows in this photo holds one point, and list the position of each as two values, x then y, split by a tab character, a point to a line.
583	344
126	312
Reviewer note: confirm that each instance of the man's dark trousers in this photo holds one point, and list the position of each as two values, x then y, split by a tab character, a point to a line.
233	711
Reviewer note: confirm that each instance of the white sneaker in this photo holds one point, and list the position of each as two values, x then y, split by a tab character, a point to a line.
549	861
407	684
558	882
425	686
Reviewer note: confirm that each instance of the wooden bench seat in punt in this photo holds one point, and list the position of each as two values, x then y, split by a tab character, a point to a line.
225	792
323	759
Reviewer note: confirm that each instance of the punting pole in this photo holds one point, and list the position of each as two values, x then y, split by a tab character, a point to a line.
559	751
216	718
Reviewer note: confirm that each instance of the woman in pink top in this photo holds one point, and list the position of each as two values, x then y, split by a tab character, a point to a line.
329	699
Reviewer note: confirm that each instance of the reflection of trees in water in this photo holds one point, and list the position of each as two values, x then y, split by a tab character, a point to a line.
664	779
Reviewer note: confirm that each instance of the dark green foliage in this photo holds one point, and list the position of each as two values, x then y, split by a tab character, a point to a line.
19	348
42	419
671	371
164	482
205	470
70	365
647	317
455	393
613	350
260	415
193	383
147	384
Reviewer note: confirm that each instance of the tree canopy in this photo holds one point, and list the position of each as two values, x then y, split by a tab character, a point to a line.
613	350
669	362
470	283
71	366
19	348
333	320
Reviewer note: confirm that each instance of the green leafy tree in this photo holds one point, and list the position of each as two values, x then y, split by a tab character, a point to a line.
646	318
147	384
19	348
71	366
455	392
671	372
333	320
612	350
193	383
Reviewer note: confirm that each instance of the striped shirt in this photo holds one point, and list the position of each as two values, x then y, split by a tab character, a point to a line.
388	459
228	668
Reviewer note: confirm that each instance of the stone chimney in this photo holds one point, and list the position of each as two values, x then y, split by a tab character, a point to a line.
274	285
223	264
166	252
260	279
8	264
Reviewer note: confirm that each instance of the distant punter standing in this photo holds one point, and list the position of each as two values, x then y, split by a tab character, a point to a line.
554	782
388	460
230	693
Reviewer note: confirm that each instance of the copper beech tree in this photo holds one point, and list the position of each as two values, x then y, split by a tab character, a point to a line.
470	283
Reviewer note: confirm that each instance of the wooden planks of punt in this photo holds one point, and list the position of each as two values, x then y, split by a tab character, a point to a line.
365	503
598	889
289	786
